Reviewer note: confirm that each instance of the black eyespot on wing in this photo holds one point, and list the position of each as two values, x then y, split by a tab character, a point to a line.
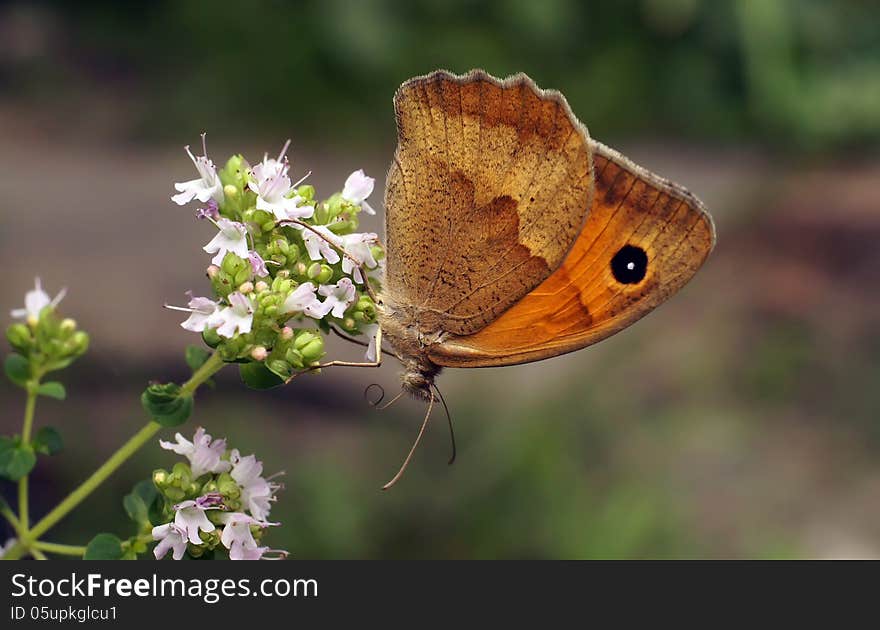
629	265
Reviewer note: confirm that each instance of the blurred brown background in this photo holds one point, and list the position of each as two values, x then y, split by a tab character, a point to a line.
739	420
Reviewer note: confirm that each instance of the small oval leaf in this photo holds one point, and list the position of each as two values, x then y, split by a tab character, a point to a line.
52	389
258	376
196	357
104	547
135	508
17	369
16	459
47	441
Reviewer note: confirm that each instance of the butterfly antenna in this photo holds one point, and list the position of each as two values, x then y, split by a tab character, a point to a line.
415	445
374	403
449	421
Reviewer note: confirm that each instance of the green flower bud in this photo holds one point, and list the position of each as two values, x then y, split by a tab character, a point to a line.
175	495
19	337
228	488
314	270
78	343
196	551
160	478
325	274
282	273
313	351
268	226
282	245
211	338
230	191
279	367
293	358
304	338
348	323
242	276
67	325
306	191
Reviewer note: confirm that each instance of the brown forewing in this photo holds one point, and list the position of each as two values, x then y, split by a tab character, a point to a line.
490	186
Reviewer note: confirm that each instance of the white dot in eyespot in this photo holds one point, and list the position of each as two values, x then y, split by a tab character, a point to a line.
630	265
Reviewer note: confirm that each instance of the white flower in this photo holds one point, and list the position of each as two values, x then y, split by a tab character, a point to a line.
35	301
358	252
257	493
202	313
238	538
272	186
357	188
318	247
203	454
190	516
339	296
206	187
258	265
303	300
170	536
232	237
9	544
239	315
372	351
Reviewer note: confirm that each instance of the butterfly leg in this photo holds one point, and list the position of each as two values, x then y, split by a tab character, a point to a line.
376	363
336	246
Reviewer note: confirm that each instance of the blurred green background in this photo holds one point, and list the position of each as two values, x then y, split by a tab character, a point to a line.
739	420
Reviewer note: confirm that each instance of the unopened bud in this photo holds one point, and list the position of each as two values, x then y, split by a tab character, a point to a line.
287	333
68	325
261	286
230	191
246	287
259	353
19	337
212	271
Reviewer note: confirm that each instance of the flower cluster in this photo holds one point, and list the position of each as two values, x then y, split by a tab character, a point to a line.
285	265
45	339
220	499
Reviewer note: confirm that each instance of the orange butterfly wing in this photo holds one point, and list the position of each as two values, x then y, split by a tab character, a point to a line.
644	238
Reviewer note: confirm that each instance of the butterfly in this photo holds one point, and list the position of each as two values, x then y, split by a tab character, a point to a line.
512	236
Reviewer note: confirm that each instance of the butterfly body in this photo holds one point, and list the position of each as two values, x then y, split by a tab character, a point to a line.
512	236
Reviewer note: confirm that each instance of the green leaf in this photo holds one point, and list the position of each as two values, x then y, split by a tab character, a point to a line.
258	376
196	357
135	508
16	459
52	389
18	369
146	490
164	404
104	547
47	441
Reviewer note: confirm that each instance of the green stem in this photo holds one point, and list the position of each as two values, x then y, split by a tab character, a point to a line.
23	516
36	553
10	516
210	367
64	550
